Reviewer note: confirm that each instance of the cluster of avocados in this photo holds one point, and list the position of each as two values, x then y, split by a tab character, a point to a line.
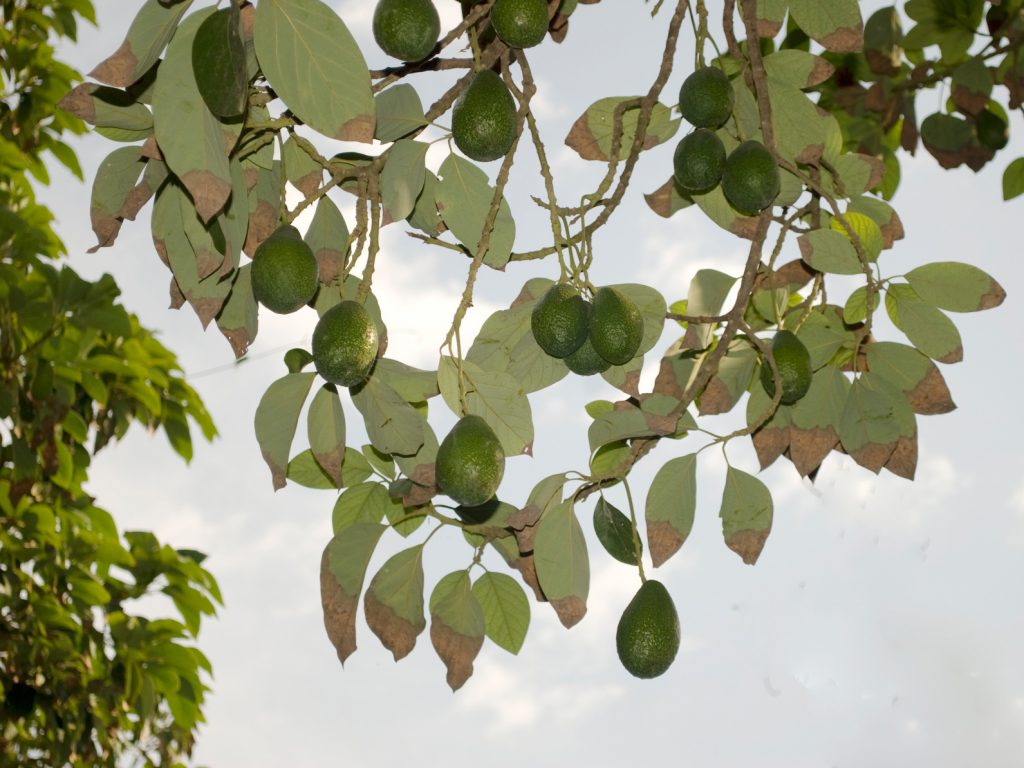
749	175
590	336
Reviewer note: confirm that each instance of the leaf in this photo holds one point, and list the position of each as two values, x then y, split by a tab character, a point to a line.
412	384
828	251
265	199
563	568
108	108
592	134
770	15
667	200
708	291
313	63
366	502
304	470
717	208
218	62
394	602
494	396
238	319
456	626
506	610
326	429
194	144
746	514
624	423
815	419
913	374
401	181
956	287
971	85
883	214
342	571
425	217
867	231
399	112
615	532
856	307
837	24
869	429
464	199
670	507
853	174
392	425
927	328
115	180
823	333
801	131
1013	179
327	236
355	468
731	379
800	69
148	35
302	171
277	416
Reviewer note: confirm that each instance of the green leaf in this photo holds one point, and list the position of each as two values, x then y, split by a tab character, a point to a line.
801	132
394	602
304	470
883	214
148	35
615	532
456	626
362	503
815	418
111	190
314	64
560	554
108	108
302	171
326	430
218	61
1013	179
956	287
494	396
610	461
506	610
853	174
392	425
746	514
277	416
717	208
381	462
412	384
971	85
731	380
592	134
928	328
917	377
770	15
355	469
425	216
342	571
464	199
837	24
401	181
856	309
801	69
196	149
327	237
869	428
667	200
238	319
823	333
626	423
670	507
708	291
868	233
399	112
828	251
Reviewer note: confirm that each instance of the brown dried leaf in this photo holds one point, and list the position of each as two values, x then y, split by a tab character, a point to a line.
209	192
748	544
262	223
770	443
150	149
844	40
953	356
873	456
559	28
359	129
663	541
809	447
456	651
177	297
395	633
118	69
931	396
716	398
339	611
903	462
80	103
570	610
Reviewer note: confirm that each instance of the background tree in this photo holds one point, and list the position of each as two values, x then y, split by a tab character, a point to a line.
86	679
829	122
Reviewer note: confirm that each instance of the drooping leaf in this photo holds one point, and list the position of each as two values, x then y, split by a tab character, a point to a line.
277	416
670	507
394	602
563	567
913	373
814	430
148	35
928	328
401	181
314	64
801	131
771	438
302	171
327	237
456	626
615	532
238	319
218	61
111	108
412	384
304	470
593	133
770	15
342	571
668	199
392	424
708	291
113	185
506	609
731	380
494	396
425	215
746	514
326	430
464	198
399	112
869	429
956	287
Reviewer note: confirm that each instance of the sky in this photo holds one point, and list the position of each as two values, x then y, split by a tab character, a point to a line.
881	626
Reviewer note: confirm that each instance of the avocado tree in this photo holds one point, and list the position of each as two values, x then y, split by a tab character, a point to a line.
791	121
86	678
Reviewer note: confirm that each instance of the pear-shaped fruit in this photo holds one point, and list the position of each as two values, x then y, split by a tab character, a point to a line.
406	29
616	326
470	462
484	118
706	98
750	178
520	23
647	637
698	162
559	320
585	361
285	274
794	364
345	344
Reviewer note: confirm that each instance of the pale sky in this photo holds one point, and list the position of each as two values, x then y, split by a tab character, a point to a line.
881	627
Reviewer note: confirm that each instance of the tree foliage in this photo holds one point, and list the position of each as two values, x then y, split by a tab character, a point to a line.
829	96
86	678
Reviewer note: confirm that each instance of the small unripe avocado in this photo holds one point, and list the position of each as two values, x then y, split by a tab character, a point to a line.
559	320
585	361
470	462
698	162
484	118
616	326
647	637
345	344
706	98
520	23
750	178
794	364
406	29
285	273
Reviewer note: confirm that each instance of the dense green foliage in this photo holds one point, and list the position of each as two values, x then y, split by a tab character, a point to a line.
85	679
812	105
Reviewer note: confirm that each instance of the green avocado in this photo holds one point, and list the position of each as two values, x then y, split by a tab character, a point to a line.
406	29
285	273
616	326
520	23
470	462
647	637
559	320
698	162
484	118
794	364
750	178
